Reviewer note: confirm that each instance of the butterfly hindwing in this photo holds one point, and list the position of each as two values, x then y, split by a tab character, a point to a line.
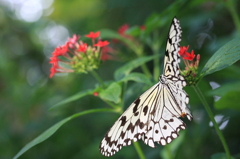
163	125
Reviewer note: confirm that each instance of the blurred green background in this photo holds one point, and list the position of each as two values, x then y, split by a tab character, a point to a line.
31	29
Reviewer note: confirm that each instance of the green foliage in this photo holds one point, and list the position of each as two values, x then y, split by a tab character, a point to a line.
126	69
49	132
221	91
27	93
229	94
220	156
224	57
111	93
229	101
170	150
136	77
73	98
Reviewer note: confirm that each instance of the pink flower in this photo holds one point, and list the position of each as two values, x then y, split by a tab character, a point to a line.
72	41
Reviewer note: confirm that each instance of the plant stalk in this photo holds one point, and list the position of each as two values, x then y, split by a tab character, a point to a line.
210	114
232	9
156	47
139	150
146	71
98	78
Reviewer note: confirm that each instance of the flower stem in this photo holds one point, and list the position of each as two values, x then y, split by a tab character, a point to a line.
139	150
110	104
210	114
146	71
98	78
155	45
138	49
232	9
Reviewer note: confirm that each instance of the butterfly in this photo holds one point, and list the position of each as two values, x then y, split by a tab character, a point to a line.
154	116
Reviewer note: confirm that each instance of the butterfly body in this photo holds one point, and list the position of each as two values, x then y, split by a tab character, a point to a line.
154	116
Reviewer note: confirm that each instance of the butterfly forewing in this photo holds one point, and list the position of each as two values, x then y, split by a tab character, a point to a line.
154	116
172	60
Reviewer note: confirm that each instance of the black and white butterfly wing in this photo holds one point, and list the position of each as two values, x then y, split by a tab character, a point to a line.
132	124
172	58
163	124
154	116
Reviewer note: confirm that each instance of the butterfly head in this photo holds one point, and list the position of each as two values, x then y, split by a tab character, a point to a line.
163	79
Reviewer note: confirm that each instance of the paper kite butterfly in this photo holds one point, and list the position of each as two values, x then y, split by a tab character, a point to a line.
154	116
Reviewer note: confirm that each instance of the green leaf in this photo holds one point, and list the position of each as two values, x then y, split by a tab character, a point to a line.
128	67
156	20
137	77
134	31
73	98
111	93
229	101
49	132
224	57
110	34
220	156
223	89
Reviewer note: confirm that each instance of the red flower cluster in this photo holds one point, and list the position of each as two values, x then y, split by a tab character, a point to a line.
188	58
186	55
190	72
74	51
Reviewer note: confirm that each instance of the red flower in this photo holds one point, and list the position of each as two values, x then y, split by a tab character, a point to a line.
183	50
102	43
93	35
53	70
105	53
142	27
95	94
61	50
82	47
123	29
72	51
189	56
54	61
186	55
